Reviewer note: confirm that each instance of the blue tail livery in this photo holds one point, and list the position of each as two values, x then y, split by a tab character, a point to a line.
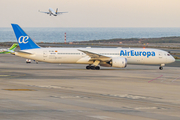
25	42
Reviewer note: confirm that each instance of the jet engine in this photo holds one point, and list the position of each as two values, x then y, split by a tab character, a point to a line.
119	62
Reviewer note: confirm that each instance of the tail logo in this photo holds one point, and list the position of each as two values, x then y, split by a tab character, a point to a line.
23	39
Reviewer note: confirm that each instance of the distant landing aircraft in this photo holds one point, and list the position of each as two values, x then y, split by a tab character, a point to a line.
9	50
52	12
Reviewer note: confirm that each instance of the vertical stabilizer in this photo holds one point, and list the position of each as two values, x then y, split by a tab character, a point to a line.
13	47
56	10
25	42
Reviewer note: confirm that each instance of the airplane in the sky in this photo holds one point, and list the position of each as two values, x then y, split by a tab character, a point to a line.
52	12
9	50
94	57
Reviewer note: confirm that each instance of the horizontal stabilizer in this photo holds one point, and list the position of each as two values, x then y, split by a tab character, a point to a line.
24	52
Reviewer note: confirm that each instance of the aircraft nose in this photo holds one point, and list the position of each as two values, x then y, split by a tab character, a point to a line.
171	59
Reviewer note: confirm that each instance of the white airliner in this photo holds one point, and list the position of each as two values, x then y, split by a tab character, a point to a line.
9	50
95	57
52	12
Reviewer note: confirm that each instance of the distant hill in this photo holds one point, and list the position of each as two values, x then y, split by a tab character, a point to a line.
137	40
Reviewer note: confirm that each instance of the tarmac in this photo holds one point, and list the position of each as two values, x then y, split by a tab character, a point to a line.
48	91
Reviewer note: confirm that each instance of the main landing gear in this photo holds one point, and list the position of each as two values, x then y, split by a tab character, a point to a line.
95	65
92	67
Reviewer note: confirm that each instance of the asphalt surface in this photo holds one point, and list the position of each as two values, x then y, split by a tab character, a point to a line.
47	91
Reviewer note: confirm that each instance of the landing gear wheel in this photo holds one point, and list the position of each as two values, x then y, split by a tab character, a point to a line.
88	67
97	67
92	67
161	68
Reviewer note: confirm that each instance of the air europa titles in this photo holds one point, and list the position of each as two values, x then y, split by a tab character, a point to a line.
137	53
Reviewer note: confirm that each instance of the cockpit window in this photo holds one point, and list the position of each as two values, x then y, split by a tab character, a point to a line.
168	54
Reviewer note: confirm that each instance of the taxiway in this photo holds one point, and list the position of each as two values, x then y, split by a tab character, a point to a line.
70	92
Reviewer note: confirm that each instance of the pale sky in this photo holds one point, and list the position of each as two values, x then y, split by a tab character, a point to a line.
91	13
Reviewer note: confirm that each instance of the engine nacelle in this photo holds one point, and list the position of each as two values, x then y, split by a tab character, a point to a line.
119	62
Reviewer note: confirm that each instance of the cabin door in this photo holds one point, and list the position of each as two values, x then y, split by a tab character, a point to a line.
160	54
45	54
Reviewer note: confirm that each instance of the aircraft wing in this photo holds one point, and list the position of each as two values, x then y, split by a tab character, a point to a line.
95	56
43	12
61	12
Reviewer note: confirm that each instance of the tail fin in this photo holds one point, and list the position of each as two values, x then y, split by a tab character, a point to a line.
13	47
25	42
56	10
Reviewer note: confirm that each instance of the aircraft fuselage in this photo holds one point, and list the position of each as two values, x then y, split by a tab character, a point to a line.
73	55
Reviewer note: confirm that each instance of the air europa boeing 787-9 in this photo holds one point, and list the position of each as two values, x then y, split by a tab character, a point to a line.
94	57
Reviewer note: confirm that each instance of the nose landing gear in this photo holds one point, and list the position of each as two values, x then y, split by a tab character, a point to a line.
161	66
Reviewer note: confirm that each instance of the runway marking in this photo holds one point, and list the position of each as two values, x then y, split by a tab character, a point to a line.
155	79
146	108
175	79
4	75
101	117
51	86
19	89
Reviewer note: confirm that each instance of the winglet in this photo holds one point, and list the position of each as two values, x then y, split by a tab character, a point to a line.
25	42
